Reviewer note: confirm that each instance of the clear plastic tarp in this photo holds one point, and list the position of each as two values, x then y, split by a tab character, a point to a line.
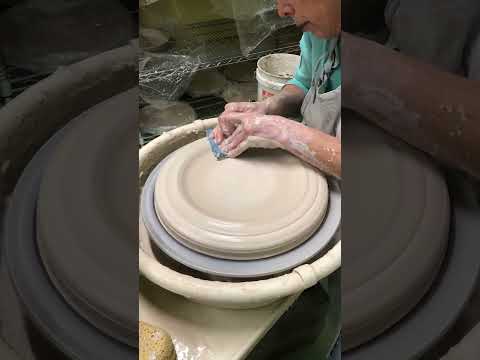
256	21
165	76
210	33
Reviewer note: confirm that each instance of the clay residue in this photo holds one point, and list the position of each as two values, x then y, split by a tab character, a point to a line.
279	65
458	118
304	151
186	352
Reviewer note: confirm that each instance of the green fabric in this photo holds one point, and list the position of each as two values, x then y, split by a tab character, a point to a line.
312	50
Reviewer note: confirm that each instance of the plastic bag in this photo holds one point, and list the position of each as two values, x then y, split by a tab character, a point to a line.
256	20
165	76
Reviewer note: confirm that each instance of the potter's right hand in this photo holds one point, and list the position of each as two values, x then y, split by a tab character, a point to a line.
260	108
224	128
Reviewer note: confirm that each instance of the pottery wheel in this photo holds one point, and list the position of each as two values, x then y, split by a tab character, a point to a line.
397	225
153	236
74	336
84	232
256	206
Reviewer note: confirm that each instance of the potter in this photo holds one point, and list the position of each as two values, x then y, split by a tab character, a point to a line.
314	90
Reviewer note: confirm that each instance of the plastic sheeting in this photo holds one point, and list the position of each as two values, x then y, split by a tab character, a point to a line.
230	29
256	21
153	39
165	76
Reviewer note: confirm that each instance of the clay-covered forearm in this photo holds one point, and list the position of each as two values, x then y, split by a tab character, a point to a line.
432	110
287	102
315	147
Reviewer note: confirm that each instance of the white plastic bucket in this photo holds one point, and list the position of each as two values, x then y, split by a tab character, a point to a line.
273	73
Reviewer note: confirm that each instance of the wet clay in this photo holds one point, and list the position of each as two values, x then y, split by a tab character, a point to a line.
246	294
78	230
30	119
397	222
260	204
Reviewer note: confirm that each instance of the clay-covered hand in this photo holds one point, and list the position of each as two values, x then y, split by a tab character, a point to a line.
246	130
224	129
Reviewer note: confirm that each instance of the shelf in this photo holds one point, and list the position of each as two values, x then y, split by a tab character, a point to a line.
216	44
147	76
207	107
210	45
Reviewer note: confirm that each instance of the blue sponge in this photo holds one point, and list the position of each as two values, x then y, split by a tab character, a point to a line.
217	152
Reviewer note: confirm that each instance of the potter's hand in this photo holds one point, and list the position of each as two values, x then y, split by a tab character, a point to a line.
225	129
246	130
260	107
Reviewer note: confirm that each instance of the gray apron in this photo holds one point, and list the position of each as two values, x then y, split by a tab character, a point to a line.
322	110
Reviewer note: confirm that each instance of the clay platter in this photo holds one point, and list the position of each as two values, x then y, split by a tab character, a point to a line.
237	268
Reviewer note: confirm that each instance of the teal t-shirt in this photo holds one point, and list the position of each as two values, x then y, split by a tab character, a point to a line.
312	49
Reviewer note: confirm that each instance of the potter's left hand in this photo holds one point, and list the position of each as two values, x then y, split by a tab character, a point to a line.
252	130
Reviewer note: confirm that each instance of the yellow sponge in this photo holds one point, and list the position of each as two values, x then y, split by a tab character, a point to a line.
155	343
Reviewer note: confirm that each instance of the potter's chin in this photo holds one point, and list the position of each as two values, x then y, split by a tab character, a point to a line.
323	32
326	34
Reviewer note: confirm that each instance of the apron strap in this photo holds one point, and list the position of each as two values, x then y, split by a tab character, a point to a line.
330	63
